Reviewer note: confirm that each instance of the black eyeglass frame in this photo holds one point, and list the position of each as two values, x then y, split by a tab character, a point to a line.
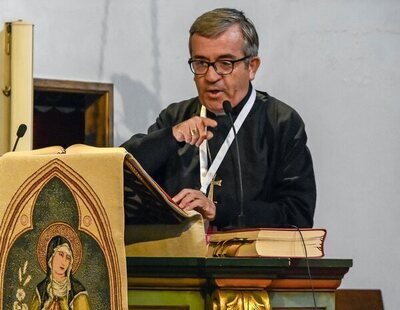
212	63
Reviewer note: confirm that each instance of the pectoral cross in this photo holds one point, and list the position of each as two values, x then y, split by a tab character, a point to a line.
211	191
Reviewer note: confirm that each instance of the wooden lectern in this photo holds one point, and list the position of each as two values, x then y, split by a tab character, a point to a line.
233	283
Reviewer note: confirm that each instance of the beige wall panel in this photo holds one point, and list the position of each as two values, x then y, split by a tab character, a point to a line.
5	84
21	83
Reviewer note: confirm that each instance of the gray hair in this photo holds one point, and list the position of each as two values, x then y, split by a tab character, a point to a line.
213	23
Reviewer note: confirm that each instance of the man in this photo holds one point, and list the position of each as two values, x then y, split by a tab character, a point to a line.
181	147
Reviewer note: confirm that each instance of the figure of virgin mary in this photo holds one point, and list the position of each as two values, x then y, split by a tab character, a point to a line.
60	290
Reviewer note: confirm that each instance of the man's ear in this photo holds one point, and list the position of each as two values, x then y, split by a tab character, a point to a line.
253	67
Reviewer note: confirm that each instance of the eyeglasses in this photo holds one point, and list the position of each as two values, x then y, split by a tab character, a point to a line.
222	67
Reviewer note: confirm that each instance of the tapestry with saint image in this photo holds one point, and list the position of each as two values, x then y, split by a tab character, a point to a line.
62	229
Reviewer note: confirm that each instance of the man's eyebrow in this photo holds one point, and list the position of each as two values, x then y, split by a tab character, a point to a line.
225	56
198	57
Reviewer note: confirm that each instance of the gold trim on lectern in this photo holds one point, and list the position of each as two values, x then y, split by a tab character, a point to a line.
232	300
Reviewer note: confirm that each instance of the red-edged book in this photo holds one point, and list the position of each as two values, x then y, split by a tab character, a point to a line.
268	242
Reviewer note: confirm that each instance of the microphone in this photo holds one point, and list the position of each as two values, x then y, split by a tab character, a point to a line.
20	133
228	110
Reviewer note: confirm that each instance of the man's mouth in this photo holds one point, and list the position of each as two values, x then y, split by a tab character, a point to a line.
214	92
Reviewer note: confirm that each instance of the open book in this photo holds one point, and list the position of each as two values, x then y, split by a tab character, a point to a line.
145	201
268	242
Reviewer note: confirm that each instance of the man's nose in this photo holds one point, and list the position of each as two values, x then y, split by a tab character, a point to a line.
212	75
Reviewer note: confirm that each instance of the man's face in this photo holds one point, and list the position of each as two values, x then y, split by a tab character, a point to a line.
213	88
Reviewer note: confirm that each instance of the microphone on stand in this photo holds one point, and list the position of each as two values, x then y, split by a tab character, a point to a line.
228	110
20	133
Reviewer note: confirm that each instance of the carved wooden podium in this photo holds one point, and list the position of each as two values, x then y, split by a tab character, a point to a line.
233	283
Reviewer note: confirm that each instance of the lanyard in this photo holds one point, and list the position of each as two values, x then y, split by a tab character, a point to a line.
206	175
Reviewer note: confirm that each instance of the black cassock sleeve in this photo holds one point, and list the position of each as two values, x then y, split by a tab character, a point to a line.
155	149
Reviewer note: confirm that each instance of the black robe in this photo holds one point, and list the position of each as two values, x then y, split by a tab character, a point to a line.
278	177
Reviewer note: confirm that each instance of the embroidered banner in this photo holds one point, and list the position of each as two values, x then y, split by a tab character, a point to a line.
62	229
